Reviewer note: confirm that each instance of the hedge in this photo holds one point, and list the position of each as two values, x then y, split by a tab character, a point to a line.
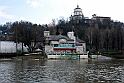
112	53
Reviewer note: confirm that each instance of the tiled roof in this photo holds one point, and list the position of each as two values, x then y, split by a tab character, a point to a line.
57	37
79	40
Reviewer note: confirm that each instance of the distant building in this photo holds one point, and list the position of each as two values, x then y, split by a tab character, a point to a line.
10	47
100	18
78	15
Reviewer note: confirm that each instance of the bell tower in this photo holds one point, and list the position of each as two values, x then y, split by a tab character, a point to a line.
78	11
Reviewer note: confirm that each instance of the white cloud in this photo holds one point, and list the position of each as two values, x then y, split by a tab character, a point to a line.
4	14
34	3
28	1
22	18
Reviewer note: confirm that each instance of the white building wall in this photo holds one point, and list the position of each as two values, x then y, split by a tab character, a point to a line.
70	41
81	49
84	56
48	49
46	33
84	46
10	47
71	35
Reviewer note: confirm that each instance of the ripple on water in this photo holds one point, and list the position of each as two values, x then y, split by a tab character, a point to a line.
61	71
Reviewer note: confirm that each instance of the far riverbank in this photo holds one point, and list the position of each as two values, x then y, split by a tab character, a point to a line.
21	56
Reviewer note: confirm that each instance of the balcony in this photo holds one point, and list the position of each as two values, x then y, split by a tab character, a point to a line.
65	47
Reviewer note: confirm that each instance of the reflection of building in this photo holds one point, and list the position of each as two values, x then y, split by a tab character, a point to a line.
58	46
78	15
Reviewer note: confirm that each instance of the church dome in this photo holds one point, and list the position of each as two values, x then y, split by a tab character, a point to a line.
78	15
78	11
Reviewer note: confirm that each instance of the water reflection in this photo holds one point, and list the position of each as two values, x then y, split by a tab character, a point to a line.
62	71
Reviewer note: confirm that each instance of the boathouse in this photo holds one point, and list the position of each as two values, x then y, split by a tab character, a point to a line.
61	46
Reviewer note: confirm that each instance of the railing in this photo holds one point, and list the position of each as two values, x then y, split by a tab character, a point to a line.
64	46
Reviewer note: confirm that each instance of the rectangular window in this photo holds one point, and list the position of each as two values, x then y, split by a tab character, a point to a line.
55	45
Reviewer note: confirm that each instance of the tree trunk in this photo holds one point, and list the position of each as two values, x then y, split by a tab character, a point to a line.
22	47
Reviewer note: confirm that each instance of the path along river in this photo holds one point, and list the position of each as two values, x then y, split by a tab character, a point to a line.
62	71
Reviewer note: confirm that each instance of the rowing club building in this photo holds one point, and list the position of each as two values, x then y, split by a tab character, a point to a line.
60	46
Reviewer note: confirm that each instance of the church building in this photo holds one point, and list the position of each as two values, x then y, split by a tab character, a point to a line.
78	15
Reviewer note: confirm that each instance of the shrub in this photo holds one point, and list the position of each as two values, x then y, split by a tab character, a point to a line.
112	53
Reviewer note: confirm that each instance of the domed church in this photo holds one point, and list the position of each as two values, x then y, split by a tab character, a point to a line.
78	15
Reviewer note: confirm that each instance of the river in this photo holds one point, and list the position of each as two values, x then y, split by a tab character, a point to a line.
62	71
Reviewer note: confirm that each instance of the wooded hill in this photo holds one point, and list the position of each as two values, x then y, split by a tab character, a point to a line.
107	35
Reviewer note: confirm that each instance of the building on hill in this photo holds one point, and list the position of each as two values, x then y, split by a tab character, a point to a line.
78	15
60	46
100	18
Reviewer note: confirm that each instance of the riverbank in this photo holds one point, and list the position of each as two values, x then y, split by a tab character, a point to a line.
117	55
21	56
30	57
9	55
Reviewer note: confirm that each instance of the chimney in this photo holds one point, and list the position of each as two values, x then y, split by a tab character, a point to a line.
71	35
46	33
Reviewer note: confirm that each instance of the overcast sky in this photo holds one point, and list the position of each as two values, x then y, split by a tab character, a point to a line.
43	11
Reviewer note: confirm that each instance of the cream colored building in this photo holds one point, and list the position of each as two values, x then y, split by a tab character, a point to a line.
58	46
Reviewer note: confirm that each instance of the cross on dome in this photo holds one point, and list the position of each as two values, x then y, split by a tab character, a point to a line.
77	6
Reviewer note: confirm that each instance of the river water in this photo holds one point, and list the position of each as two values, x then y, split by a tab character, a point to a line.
62	71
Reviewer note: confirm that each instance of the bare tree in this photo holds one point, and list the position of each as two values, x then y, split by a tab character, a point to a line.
26	32
88	34
107	37
52	27
96	36
112	38
118	34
